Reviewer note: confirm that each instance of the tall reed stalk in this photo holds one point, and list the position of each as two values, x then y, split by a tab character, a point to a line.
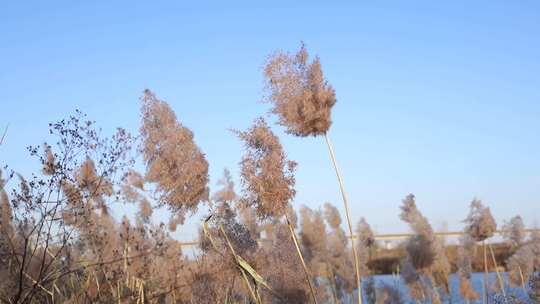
499	277
522	278
297	246
485	285
347	214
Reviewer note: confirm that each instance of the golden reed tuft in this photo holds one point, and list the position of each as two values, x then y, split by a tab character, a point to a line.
173	160
267	177
301	97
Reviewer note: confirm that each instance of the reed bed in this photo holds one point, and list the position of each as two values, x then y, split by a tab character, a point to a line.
62	241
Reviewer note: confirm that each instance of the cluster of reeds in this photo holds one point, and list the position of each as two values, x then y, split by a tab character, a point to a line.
62	239
425	269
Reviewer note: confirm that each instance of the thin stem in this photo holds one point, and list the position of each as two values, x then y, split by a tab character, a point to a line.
522	278
306	272
333	283
499	277
244	276
347	213
4	134
485	285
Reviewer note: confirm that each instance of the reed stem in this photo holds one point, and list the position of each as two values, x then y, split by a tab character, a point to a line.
306	272
522	278
333	284
499	277
347	213
244	276
485	285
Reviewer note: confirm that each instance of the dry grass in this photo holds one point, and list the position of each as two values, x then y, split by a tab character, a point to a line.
60	241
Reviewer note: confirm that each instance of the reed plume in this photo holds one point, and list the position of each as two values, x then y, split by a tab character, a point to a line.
303	99
420	249
313	235
514	231
267	176
525	261
341	272
267	179
173	161
5	208
480	225
425	253
466	251
366	241
49	161
283	272
6	238
226	193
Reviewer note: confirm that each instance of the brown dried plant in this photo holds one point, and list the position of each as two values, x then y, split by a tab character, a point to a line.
313	236
302	99
525	261
173	161
62	242
279	264
420	248
466	251
425	253
226	193
366	243
300	95
340	269
514	231
267	177
479	226
224	217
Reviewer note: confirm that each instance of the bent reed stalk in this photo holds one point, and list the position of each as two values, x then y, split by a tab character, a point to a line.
347	214
499	277
244	276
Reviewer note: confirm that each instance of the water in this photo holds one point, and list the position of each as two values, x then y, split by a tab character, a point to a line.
477	282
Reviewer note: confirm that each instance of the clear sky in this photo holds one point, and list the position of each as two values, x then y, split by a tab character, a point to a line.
437	98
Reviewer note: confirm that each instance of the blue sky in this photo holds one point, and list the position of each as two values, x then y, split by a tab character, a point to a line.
438	99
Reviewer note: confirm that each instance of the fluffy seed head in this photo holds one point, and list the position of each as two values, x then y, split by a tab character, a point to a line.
300	95
514	231
226	194
525	261
331	215
91	181
365	234
145	209
5	208
313	236
420	247
49	162
412	216
480	224
267	177
420	251
366	239
173	160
